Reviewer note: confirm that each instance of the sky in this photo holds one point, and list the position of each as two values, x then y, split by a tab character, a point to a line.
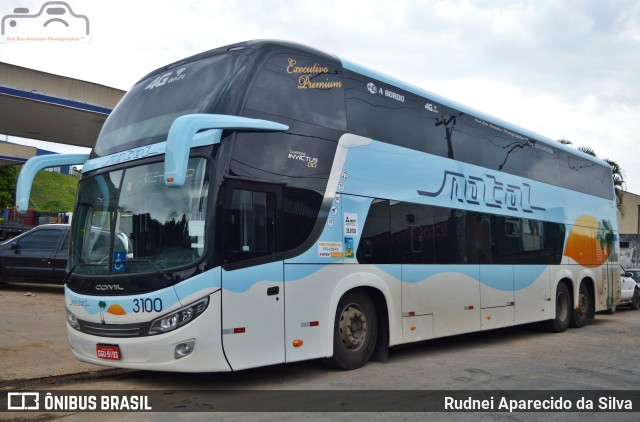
566	69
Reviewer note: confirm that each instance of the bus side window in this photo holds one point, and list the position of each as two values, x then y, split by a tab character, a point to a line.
375	242
250	227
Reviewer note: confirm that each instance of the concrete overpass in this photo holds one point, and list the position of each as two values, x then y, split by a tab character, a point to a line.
48	107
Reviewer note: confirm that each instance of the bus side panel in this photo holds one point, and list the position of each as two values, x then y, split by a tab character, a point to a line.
313	292
496	286
608	291
253	316
450	293
532	293
497	298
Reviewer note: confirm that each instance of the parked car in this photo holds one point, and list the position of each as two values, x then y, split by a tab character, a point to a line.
629	291
38	255
635	274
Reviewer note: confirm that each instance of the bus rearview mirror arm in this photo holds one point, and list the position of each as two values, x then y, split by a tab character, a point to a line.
33	166
184	129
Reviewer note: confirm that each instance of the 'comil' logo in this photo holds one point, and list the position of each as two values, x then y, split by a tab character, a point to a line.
54	22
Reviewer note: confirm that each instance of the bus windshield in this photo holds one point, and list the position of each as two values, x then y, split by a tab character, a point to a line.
146	113
129	222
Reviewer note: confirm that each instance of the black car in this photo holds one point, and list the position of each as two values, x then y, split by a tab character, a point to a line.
39	255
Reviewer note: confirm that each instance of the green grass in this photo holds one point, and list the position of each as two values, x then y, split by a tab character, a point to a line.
53	192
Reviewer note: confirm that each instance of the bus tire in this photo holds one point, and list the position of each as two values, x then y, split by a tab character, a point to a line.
563	307
355	331
580	315
635	300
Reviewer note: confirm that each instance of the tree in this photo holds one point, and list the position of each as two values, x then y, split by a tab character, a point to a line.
619	183
103	305
8	180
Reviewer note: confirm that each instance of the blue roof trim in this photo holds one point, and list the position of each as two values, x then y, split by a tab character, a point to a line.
354	67
53	100
16	159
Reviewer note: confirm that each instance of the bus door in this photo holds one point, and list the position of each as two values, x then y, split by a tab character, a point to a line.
252	275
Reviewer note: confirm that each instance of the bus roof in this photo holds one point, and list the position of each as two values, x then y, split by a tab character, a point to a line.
365	71
251	44
349	65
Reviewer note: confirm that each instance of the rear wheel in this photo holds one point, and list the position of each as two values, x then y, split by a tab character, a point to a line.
580	315
355	331
563	307
635	301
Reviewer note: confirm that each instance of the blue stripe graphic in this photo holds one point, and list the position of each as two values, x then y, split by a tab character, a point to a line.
53	100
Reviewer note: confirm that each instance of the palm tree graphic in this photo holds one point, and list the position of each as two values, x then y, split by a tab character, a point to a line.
103	305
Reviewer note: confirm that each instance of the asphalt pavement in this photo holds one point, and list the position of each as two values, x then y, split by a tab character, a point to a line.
33	335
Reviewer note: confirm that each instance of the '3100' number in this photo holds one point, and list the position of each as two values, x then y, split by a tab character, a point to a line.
147	305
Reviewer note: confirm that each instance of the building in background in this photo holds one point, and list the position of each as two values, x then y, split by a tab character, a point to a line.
16	154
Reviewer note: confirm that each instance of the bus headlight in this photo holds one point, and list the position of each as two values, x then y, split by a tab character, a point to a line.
178	318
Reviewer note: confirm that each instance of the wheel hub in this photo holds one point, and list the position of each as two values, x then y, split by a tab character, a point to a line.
353	327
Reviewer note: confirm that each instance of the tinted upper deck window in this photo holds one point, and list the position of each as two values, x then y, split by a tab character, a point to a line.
307	89
383	112
146	113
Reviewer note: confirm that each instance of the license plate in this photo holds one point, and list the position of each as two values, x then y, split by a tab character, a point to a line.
108	351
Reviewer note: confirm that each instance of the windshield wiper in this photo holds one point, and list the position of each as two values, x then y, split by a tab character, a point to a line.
169	278
66	276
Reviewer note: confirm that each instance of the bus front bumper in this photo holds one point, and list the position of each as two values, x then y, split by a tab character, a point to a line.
195	347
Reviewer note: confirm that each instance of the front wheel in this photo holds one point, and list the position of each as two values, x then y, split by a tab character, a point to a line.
580	316
563	306
355	331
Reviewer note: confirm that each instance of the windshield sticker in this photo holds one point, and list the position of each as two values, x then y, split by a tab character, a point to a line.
310	75
119	259
167	78
350	224
348	247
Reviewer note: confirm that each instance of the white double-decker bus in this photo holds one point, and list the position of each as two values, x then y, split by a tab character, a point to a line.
265	202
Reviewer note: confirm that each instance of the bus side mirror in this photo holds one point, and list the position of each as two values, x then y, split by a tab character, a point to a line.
182	137
33	166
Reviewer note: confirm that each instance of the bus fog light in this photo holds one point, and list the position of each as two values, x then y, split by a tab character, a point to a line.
73	321
184	349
